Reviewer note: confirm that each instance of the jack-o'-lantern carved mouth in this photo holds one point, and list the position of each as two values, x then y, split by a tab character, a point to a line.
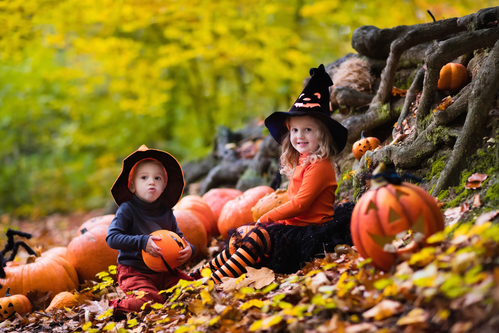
392	243
6	313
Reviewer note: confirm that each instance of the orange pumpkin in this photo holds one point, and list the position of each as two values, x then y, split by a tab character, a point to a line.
95	221
170	245
193	230
387	210
216	199
269	202
12	304
47	274
237	212
60	251
361	146
89	253
68	299
453	77
203	212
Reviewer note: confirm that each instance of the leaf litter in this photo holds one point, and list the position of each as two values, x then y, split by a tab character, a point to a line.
451	285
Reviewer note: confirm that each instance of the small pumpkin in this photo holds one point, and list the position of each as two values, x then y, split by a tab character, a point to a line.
170	245
89	253
200	208
361	146
95	221
387	210
12	304
216	199
269	202
237	212
68	299
453	77
193	230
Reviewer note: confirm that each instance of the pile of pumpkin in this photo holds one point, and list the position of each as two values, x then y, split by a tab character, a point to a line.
58	272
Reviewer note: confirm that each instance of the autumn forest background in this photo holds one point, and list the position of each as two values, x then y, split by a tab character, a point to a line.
85	83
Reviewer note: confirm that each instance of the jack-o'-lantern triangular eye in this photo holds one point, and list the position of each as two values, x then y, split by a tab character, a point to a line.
393	216
419	225
399	193
371	205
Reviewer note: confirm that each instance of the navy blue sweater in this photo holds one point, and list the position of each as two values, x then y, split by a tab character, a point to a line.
129	231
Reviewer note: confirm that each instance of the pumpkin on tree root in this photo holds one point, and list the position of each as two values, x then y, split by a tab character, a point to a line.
361	146
386	212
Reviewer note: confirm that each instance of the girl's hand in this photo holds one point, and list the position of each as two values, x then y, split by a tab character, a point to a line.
153	249
185	254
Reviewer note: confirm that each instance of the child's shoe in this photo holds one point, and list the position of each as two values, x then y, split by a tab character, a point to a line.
196	274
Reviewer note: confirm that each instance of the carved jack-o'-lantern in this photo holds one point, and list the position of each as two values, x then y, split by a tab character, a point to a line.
388	210
12	304
361	146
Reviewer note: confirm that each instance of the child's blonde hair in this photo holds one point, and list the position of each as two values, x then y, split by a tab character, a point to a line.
289	156
142	161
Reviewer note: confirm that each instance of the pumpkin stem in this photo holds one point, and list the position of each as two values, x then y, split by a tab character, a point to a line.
7	292
433	17
377	179
382	177
362	135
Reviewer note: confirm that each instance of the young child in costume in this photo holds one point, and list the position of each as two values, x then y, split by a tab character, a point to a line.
288	236
150	183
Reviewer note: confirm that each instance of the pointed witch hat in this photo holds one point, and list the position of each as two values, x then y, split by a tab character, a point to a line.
174	188
314	102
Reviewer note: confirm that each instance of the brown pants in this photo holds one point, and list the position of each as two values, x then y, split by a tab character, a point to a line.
130	280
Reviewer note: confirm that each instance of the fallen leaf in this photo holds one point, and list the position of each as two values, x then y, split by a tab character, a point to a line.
475	181
485	217
261	277
384	309
399	92
361	328
414	317
476	201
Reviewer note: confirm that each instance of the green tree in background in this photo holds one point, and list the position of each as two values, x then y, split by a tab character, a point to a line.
84	83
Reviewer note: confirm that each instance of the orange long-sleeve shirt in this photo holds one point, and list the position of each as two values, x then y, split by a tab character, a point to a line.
311	196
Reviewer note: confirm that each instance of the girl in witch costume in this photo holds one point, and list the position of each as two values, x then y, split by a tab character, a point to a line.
150	183
309	223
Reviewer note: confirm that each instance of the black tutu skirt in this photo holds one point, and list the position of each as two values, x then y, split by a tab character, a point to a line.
294	246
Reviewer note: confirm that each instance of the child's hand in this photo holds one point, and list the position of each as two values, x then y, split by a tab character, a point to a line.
184	254
151	247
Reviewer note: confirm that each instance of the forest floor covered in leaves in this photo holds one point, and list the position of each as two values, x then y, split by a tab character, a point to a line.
450	286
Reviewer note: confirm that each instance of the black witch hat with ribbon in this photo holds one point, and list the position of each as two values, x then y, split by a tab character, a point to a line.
314	102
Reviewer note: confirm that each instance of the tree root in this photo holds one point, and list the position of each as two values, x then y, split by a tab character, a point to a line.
444	52
483	90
